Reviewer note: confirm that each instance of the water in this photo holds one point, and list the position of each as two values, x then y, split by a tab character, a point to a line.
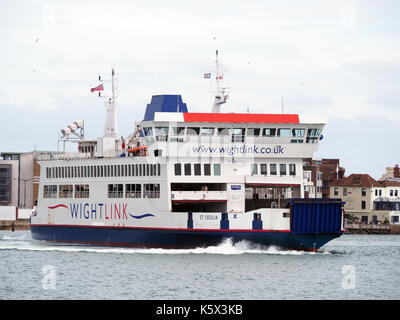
350	267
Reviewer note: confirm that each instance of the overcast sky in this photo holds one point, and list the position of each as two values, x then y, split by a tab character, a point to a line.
338	58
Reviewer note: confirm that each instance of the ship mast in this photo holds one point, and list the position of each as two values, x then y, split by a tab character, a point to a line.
220	96
110	126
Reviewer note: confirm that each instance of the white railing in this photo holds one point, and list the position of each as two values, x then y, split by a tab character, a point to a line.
199	195
65	156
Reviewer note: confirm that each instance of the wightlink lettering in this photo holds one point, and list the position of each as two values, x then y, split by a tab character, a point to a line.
233	150
114	211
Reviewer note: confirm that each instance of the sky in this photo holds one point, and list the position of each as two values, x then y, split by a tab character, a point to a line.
336	58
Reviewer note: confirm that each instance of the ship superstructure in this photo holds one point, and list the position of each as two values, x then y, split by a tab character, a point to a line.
185	179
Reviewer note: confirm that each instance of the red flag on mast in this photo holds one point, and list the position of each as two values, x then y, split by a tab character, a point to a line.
98	88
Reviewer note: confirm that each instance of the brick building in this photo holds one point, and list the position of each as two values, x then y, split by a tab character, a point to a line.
320	173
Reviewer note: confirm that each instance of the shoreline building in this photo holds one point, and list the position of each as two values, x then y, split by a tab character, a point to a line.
319	174
368	200
19	178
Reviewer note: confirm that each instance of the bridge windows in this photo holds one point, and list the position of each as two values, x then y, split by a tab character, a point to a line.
207	131
269	132
253	132
283	132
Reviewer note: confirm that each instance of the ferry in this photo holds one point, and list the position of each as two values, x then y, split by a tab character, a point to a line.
185	180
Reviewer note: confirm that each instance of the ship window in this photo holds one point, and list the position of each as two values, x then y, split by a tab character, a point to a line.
263	168
269	132
82	191
151	190
298	132
283	132
272	169
133	190
255	132
65	191
177	168
118	170
188	169
254	168
147	169
158	169
128	170
115	190
136	173
238	134
217	169
312	135
95	168
292	169
148	131
282	169
193	131
101	171
152	170
224	131
140	169
178	131
50	191
207	169
162	133
56	172
47	172
197	169
207	131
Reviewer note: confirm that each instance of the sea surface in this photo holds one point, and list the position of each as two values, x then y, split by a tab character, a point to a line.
362	267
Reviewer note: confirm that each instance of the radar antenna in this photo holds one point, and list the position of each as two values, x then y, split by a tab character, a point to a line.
220	96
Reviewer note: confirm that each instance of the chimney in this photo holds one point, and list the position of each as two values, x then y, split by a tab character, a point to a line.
396	171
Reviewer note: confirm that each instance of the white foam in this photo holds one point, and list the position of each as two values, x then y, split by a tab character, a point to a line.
24	242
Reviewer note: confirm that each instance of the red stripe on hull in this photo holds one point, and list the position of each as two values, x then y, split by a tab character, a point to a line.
151	228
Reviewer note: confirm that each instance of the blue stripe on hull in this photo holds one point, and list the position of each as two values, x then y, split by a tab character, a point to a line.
175	238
